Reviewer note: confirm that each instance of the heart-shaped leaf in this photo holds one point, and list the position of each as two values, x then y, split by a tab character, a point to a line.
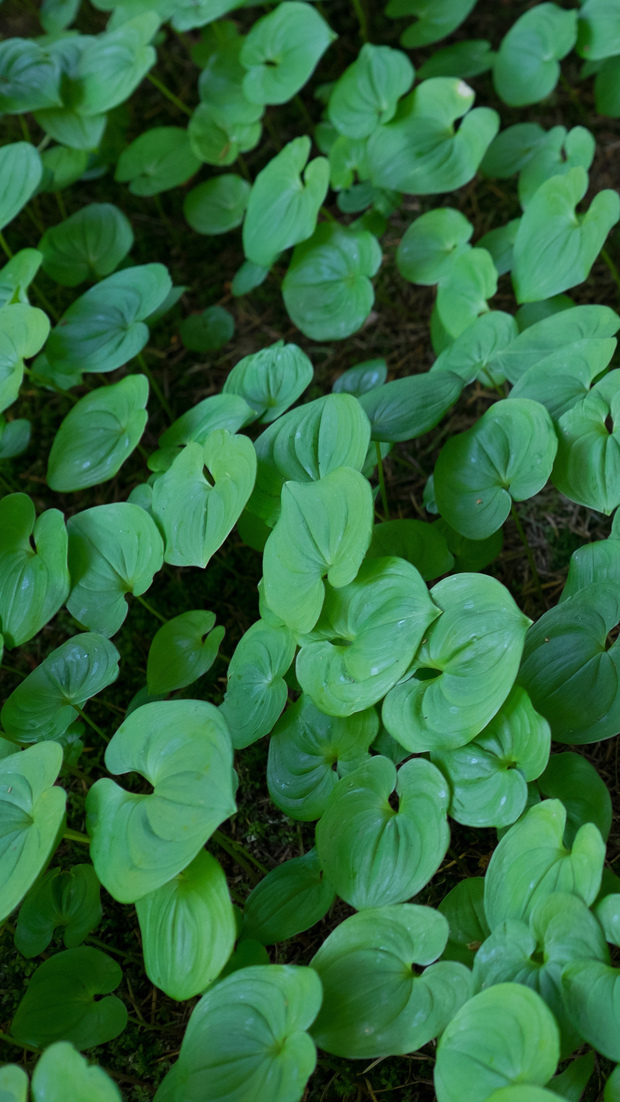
526	66
13	1083
564	378
416	541
88	245
156	161
372	854
23	330
115	62
434	18
256	691
367	969
69	900
368	92
219	411
282	51
188	928
574	780
289	900
472	354
32	812
217	205
42	706
33	584
270	380
182	650
29	77
587	467
62	1073
557	331
20	163
283	208
140	842
431	244
591	992
555	156
409	407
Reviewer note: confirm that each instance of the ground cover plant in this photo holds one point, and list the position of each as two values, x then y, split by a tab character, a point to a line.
309	561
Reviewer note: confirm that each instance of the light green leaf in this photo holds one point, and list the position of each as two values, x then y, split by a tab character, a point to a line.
219	411
282	208
324	530
594	562
157	160
217	135
431	244
368	92
489	776
572	1082
289	900
42	705
13	1084
500	244
29	78
327	290
98	434
33	584
309	752
217	205
361	378
17	275
62	167
564	378
507	455
113	550
105	327
526	66
435	19
375	1000
57	15
463	59
195	514
60	1003
463	291
472	355
270	380
464	669
140	842
512	148
20	171
188	928
62	1074
32	812
23	330
182	650
282	50
114	63
598	30
504	1035
587	467
555	156
365	637
531	862
69	900
591	992
256	691
555	247
88	245
552	333
409	407
372	854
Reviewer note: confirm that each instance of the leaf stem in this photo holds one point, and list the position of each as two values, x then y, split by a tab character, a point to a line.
46	304
155	387
18	1044
161	87
361	18
528	552
384	500
5	248
235	849
615	274
61	204
76	836
241	161
150	608
309	121
90	723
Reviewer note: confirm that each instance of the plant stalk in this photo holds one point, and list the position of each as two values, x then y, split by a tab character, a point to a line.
5	248
234	849
155	387
384	500
361	18
90	723
150	608
161	87
76	836
8	1040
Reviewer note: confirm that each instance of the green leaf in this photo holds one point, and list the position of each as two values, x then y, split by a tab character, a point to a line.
14	437
57	15
282	50
60	1003
367	93
20	170
567	671
562	379
23	330
309	752
188	928
531	862
416	541
473	353
594	562
13	1084
463	906
158	160
572	1082
512	148
219	411
561	929
367	969
17	275
607	88
247	278
612	1087
591	992
500	244
305	445
507	455
33	584
463	292
464	669
555	247
435	19
598	30
431	244
62	167
217	136
283	207
361	378
256	691
555	156
555	332
42	705
327	290
61	1073
409	407
208	331
88	245
574	780
526	66
607	912
182	650
217	205
289	900
462	59
587	467
29	78
372	854
140	842
324	530
69	900
195	514
114	63
98	434
105	327
419	152
32	812
271	380
365	637
504	1035
489	776
248	1035
113	550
